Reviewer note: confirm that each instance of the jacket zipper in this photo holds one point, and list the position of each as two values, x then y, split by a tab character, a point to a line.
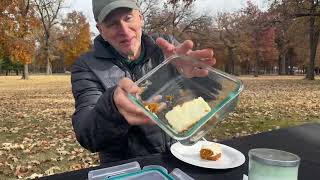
133	77
126	69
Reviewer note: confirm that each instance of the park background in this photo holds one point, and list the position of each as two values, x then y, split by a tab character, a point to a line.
273	50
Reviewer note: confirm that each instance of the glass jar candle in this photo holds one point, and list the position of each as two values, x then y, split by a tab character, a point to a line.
272	164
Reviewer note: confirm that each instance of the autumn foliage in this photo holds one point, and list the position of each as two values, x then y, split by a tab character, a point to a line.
75	37
21	51
18	20
28	36
281	39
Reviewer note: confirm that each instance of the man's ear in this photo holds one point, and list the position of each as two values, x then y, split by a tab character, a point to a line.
141	19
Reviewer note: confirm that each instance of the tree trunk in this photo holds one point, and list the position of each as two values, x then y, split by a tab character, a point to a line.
230	62
47	54
281	48
49	69
256	65
290	61
282	64
25	73
314	37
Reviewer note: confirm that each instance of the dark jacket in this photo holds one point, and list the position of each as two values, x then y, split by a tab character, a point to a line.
98	125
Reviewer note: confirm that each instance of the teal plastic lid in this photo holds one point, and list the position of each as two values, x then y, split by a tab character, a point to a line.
145	174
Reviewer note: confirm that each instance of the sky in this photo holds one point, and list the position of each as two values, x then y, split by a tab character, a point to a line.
205	6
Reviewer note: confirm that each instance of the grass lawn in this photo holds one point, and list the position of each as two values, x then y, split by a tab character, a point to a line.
36	136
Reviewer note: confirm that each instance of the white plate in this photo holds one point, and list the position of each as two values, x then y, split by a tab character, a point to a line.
230	157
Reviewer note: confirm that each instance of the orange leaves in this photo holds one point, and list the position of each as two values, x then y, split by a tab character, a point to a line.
36	135
17	20
21	51
76	37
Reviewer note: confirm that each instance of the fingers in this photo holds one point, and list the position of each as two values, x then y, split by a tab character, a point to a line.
128	86
134	119
120	96
123	103
203	53
130	111
209	62
197	72
185	47
167	48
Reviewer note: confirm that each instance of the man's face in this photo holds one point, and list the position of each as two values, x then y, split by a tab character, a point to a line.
122	28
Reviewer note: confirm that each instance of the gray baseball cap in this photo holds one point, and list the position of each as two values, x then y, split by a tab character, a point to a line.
101	8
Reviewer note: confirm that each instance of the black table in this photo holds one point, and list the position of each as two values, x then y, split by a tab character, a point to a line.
302	140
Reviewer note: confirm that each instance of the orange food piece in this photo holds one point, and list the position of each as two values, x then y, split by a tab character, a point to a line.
153	107
208	155
169	98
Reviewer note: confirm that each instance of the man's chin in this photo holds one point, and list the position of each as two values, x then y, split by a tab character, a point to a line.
127	53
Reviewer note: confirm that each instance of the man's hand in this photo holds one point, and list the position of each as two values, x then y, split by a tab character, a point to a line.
190	70
130	111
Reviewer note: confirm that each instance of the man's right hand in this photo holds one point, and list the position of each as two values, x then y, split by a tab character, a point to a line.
129	111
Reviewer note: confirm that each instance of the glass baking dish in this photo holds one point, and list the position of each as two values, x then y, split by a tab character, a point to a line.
176	95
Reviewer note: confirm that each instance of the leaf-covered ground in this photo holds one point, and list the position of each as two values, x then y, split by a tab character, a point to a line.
36	136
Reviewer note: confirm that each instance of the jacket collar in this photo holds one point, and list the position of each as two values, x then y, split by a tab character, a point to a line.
102	49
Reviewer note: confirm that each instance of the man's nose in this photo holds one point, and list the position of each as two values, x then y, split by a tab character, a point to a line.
123	27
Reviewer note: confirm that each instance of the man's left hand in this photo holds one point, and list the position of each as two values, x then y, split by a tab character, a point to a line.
204	55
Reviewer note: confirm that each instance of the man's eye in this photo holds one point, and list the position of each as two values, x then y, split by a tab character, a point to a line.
110	24
129	17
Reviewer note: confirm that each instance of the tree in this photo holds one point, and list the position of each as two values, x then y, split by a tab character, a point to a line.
256	23
269	50
168	19
282	23
309	10
75	37
228	24
148	7
290	37
48	11
187	2
7	65
176	18
18	20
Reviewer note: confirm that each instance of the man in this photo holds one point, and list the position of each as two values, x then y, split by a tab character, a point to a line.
105	120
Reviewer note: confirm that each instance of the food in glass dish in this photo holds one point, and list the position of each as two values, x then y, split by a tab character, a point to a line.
153	107
182	117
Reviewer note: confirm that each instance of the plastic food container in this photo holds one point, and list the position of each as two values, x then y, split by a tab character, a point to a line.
132	171
174	85
272	164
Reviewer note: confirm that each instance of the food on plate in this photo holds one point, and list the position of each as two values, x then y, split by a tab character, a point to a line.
211	151
182	117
